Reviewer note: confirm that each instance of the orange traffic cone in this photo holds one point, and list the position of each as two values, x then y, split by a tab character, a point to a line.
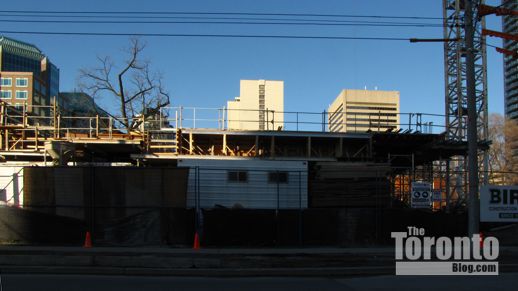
88	240
196	245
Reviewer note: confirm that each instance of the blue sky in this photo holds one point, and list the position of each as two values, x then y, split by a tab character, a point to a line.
206	71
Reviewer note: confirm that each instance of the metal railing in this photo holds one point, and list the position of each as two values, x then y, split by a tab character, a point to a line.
171	118
26	130
251	119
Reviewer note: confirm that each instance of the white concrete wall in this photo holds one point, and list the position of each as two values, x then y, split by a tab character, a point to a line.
275	101
8	182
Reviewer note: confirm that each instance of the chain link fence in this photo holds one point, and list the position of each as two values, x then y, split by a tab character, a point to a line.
130	206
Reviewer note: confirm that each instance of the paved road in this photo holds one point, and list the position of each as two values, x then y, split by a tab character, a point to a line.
101	283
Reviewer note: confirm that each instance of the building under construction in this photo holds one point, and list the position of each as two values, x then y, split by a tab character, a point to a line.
300	166
315	168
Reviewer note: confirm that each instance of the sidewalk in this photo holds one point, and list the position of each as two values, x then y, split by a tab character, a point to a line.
210	262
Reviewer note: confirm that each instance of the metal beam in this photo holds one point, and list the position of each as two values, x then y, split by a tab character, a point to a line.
456	84
473	208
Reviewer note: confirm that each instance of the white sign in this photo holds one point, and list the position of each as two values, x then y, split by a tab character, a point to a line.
421	196
499	203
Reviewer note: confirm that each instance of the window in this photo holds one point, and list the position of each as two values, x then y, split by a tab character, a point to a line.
238	176
21	94
22	82
5	94
278	177
8	82
18	106
261	107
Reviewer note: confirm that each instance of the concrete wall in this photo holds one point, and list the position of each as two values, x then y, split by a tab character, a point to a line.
244	112
11	182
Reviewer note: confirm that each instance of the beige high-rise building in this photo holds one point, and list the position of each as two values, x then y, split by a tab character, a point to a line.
260	106
364	110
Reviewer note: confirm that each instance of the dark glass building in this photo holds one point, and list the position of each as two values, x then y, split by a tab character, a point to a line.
21	57
17	56
79	104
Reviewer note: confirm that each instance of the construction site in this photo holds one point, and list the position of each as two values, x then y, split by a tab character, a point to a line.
88	172
294	175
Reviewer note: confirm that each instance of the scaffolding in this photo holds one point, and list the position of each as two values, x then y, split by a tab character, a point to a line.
22	131
188	131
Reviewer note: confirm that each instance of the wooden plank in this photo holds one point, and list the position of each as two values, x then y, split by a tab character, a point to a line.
162	146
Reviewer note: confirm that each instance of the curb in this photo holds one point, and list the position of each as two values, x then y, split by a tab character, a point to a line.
250	272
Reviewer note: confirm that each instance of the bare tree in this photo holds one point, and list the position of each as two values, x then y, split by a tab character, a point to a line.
502	158
137	90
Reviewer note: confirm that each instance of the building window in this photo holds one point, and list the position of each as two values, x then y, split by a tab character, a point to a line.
278	177
261	108
238	176
5	94
18	106
22	82
21	94
8	82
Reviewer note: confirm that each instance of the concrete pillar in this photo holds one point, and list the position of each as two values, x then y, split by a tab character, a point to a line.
16	190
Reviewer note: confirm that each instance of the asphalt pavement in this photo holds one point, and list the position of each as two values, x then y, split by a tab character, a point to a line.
169	262
23	282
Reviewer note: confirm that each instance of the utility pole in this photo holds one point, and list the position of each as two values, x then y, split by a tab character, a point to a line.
473	199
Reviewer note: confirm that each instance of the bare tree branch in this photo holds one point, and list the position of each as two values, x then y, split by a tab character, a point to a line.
502	161
139	97
139	93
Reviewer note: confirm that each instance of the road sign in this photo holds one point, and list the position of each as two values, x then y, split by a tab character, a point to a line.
421	196
499	203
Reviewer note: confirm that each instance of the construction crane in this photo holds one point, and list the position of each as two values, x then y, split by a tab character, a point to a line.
456	92
485	10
